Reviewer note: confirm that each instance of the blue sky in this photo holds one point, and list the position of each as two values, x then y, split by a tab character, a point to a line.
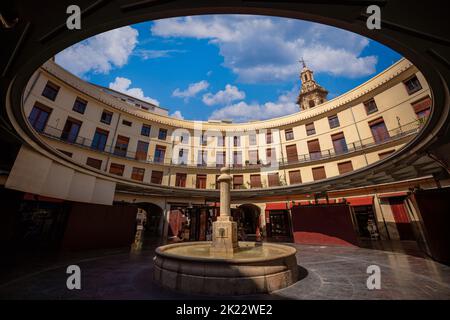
238	67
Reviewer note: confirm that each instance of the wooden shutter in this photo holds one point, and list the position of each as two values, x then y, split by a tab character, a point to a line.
344	167
274	179
94	163
295	177
255	181
238	181
138	174
157	177
422	104
116	169
180	180
376	121
337	136
253	156
291	152
319	173
314	146
201	181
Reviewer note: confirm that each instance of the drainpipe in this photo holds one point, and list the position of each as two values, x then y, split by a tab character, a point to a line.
113	142
359	135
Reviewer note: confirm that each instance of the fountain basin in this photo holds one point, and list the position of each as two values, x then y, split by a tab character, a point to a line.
255	268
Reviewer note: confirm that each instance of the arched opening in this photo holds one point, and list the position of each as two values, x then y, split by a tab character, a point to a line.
248	219
148	221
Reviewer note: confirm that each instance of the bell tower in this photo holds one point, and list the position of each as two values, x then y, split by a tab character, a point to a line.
311	93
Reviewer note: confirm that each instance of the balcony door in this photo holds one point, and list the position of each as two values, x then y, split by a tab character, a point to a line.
71	130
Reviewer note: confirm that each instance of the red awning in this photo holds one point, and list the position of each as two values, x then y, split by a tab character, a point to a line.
393	194
36	197
276	206
361	201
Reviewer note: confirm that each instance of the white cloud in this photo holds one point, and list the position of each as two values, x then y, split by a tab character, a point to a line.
242	111
191	91
101	53
267	49
230	94
177	114
123	85
146	54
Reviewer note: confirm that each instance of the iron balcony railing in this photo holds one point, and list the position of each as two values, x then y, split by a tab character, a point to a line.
142	156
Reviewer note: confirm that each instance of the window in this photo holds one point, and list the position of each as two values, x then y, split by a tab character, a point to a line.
100	138
268	137
319	173
94	163
79	105
156	177
295	177
183	156
370	106
162	134
310	129
71	130
385	154
314	149
345	167
339	143
160	152
204	140
253	157
412	85
67	153
138	174
333	121
202	158
270	156
289	134
379	130
255	181
291	152
127	123
236	141
237	159
221	141
121	146
145	130
39	116
220	159
311	103
117	169
180	180
422	108
141	150
238	182
252	139
50	91
106	117
274	179
201	181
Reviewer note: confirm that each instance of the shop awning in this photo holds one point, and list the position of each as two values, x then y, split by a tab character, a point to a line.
276	206
393	194
360	201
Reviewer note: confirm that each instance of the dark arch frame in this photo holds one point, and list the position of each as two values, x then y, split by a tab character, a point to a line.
419	35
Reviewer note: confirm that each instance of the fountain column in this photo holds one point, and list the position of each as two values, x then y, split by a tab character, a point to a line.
224	236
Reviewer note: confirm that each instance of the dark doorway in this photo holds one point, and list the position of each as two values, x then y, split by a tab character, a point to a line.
366	222
248	219
280	226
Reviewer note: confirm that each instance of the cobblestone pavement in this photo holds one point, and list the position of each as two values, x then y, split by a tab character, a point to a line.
328	272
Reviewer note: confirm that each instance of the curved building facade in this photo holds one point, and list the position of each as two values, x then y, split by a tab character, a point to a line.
110	148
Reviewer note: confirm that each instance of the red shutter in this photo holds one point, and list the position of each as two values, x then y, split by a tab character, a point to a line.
422	104
274	179
314	146
319	173
255	181
345	167
295	177
291	152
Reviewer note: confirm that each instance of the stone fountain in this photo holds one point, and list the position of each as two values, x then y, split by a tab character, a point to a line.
223	266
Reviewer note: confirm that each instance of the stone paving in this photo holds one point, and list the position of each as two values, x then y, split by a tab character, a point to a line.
328	272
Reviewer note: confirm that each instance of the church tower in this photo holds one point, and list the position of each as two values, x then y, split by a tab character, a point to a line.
311	93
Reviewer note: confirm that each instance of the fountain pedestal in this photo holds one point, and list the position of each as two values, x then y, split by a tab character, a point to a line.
224	235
